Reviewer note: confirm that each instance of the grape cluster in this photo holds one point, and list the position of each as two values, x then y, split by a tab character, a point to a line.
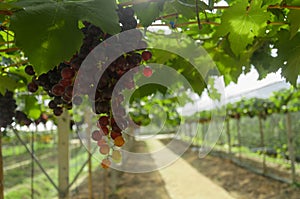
22	119
60	82
57	83
7	109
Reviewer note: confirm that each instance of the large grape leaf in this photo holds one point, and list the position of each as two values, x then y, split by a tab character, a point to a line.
47	31
293	17
243	23
101	13
288	55
148	12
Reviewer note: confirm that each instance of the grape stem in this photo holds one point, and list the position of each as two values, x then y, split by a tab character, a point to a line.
211	23
9	50
198	17
16	64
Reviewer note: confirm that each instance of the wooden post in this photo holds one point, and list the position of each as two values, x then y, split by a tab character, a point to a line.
32	161
88	121
63	127
262	144
239	137
228	136
203	133
291	145
1	169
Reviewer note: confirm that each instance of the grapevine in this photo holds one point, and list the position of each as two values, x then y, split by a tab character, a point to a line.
59	83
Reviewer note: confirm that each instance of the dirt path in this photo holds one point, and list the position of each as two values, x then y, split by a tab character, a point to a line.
239	182
128	185
177	181
184	181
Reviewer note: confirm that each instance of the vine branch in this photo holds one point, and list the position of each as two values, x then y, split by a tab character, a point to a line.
9	50
130	3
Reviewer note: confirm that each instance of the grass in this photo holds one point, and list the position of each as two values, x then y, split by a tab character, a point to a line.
12	154
17	181
245	152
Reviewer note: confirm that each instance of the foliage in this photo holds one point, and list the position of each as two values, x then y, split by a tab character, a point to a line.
244	33
283	101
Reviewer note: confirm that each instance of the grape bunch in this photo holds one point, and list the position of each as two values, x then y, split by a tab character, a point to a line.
57	83
22	119
61	81
7	109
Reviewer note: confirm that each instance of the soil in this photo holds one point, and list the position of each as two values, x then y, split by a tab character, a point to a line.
127	186
239	182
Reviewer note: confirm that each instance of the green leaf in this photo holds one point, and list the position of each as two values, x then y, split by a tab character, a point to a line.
147	90
8	6
1	39
243	24
147	12
288	55
47	33
185	11
293	2
101	13
293	17
8	83
32	107
271	2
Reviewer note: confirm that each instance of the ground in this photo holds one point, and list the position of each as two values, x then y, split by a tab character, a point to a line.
128	186
239	182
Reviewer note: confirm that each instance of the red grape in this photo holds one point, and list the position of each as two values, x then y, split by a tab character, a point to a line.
58	90
57	111
67	73
29	70
104	130
146	55
103	121
114	134
32	87
96	135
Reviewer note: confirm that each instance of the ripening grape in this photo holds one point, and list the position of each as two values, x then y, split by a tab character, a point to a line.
116	156
103	121
52	104
65	82
69	91
67	73
146	55
101	142
32	87
58	90
105	163
58	111
119	141
104	130
115	134
96	135
29	70
147	71
104	149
